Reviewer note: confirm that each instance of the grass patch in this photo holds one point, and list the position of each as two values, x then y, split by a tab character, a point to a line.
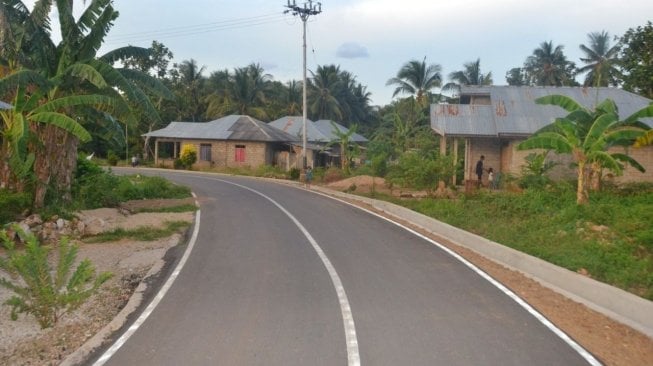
611	238
143	233
172	209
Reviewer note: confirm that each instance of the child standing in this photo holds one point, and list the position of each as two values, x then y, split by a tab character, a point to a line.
490	178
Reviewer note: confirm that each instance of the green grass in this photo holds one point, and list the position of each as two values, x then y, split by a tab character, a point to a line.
143	233
611	238
173	209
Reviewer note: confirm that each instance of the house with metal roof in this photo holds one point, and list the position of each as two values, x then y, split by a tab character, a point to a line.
492	120
231	141
320	135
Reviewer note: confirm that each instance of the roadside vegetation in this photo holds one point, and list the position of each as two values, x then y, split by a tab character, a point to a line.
610	240
143	233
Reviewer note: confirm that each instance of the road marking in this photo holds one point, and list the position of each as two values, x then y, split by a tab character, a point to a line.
353	356
541	318
153	304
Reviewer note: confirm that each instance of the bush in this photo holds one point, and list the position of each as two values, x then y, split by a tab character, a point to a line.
188	156
112	158
48	293
294	173
13	204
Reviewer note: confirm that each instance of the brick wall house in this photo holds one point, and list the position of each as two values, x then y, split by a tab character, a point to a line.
231	141
493	120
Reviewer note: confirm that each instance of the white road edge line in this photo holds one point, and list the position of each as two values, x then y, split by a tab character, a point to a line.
153	304
353	356
541	318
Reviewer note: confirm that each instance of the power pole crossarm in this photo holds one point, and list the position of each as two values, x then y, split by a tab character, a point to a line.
309	8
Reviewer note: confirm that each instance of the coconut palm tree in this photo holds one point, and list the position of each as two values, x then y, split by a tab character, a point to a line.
324	88
548	66
189	83
600	60
471	75
245	93
587	135
417	79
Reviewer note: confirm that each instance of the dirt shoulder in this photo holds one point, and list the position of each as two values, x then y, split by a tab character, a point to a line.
22	342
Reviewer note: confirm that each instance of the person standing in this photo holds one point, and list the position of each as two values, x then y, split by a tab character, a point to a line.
309	177
479	170
490	178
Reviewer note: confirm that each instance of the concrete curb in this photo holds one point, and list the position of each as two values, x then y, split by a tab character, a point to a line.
615	303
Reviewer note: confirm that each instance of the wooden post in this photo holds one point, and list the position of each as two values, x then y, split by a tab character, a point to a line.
455	158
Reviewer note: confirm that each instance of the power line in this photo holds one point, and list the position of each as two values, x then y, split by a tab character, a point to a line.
184	31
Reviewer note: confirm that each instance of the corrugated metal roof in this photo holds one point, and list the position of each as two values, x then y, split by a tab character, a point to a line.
234	127
325	126
462	119
4	105
513	111
293	125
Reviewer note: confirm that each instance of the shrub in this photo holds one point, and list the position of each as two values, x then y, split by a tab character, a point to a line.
294	173
112	158
47	293
13	204
188	156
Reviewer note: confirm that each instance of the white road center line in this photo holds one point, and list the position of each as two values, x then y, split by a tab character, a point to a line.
353	356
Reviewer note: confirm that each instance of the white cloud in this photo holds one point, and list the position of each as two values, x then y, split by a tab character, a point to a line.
352	50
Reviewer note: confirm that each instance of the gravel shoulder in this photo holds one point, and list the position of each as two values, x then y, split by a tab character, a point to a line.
22	342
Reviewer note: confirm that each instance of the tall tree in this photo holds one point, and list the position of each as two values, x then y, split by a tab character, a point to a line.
72	70
600	60
548	66
188	84
417	79
325	86
516	77
588	135
636	59
245	93
471	75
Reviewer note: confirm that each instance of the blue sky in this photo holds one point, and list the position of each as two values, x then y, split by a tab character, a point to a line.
370	38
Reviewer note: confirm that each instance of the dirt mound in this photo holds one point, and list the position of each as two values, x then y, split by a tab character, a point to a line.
360	183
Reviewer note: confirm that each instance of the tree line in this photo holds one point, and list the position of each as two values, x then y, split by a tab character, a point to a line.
66	97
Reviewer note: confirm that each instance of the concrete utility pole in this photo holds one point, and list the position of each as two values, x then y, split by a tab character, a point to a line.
304	12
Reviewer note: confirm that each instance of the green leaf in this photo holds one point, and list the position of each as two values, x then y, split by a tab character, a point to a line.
562	101
64	122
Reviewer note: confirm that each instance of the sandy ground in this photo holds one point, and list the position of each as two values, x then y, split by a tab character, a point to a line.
23	343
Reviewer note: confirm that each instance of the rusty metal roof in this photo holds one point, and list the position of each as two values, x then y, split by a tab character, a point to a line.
513	111
234	127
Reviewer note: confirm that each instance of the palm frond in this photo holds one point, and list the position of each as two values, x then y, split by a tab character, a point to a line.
123	53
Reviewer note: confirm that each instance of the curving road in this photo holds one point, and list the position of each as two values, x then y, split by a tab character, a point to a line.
283	276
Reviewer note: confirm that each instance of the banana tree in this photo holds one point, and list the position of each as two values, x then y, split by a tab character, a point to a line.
73	68
588	136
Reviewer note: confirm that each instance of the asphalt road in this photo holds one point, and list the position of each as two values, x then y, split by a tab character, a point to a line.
284	276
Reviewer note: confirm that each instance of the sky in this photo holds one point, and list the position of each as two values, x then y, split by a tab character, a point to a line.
372	39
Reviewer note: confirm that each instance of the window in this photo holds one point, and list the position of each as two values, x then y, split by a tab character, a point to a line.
240	153
205	152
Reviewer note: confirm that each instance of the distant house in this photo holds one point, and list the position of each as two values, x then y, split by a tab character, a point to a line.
320	135
231	141
492	120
